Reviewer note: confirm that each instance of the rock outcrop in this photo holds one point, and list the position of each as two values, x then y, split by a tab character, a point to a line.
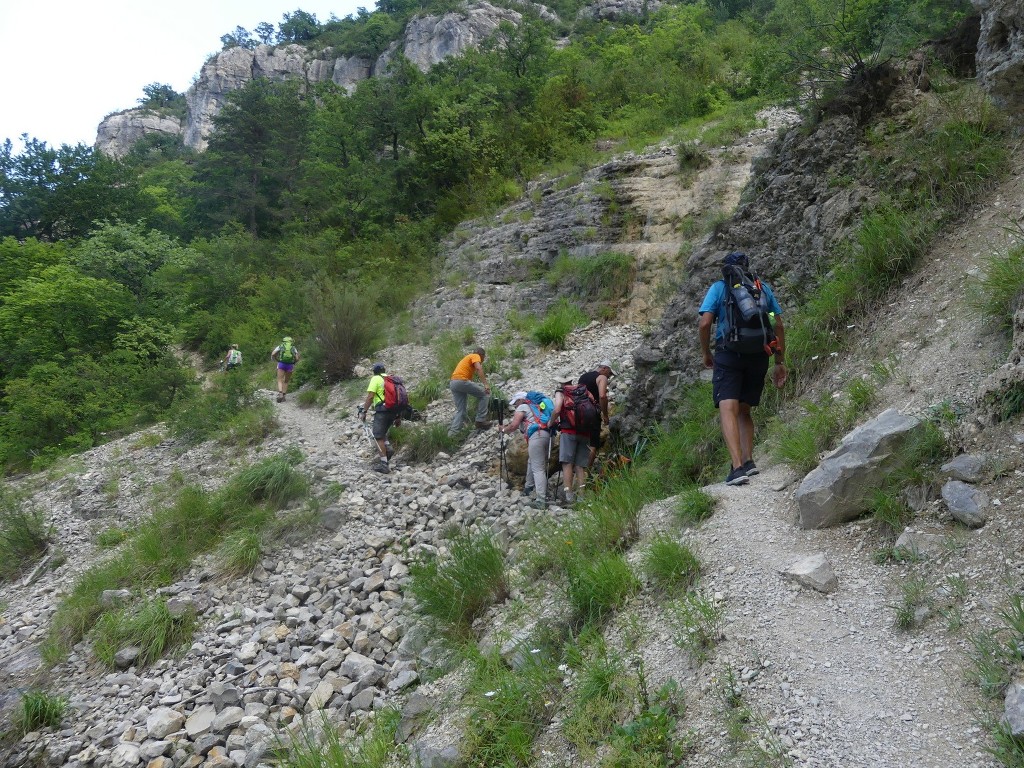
118	133
1000	56
610	10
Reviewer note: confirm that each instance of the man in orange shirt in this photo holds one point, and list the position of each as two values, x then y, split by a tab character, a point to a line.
462	386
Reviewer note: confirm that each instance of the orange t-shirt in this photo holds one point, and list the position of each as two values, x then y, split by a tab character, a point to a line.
464	370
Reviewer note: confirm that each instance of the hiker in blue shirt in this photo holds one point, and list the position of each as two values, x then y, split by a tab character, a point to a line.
743	349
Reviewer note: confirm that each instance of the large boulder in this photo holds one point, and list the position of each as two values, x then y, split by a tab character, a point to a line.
836	491
1000	56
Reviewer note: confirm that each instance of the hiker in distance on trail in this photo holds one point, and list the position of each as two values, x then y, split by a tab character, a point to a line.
286	355
534	416
577	417
748	333
462	386
596	382
233	359
383	416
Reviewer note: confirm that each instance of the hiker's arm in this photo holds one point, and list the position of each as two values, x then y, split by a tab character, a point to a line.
602	391
366	403
513	425
779	372
704	332
480	371
557	400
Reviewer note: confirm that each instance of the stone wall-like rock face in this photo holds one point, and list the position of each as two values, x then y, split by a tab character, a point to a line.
117	134
429	40
1000	56
793	211
610	10
232	69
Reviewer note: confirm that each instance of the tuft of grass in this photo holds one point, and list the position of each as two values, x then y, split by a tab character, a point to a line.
671	564
273	480
509	707
600	699
39	709
561	320
649	739
997	293
427	391
109	538
993	662
914	597
250	426
312	398
323	746
889	510
240	551
607	277
151	628
422	442
694	505
24	535
697	623
598	585
456	591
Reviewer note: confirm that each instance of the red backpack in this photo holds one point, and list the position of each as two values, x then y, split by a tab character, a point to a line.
395	396
579	413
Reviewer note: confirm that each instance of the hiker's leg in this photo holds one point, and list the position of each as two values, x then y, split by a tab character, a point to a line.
482	404
280	379
729	413
381	423
567	458
287	379
746	426
537	450
459	396
582	456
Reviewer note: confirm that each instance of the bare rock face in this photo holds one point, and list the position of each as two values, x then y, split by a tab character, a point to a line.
232	69
117	134
610	10
1000	56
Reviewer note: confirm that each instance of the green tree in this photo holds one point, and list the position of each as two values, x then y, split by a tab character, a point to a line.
297	26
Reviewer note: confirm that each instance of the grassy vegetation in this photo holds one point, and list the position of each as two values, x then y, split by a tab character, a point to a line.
454	592
149	627
39	709
323	746
598	585
602	695
607	277
914	597
694	506
24	535
697	624
163	546
422	442
997	293
561	320
671	564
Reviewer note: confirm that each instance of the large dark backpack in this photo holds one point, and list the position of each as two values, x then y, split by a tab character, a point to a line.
396	398
579	411
749	319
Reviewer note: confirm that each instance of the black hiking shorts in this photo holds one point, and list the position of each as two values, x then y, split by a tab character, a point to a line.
738	377
382	421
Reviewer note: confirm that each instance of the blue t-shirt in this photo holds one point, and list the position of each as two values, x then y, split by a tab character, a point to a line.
714	301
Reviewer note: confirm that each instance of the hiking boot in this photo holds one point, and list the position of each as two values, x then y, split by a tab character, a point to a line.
737	477
382	467
750	468
483	425
538	503
280	397
391	452
570	498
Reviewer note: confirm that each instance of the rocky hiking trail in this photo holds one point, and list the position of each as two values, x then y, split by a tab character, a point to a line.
321	621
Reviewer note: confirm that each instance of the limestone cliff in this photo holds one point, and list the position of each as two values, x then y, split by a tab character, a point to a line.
427	41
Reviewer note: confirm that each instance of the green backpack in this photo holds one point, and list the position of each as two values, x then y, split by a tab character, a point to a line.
287	353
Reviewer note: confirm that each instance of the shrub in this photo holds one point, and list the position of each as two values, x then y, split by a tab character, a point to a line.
151	628
671	564
346	325
39	709
200	414
24	535
455	592
563	318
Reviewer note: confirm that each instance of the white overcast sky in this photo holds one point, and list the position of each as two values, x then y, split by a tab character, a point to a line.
65	64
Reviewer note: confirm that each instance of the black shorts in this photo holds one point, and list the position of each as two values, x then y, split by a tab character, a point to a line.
382	421
738	377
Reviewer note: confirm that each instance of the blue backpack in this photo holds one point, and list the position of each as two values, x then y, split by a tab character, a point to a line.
542	408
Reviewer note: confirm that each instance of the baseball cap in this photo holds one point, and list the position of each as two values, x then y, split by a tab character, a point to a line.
378	367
